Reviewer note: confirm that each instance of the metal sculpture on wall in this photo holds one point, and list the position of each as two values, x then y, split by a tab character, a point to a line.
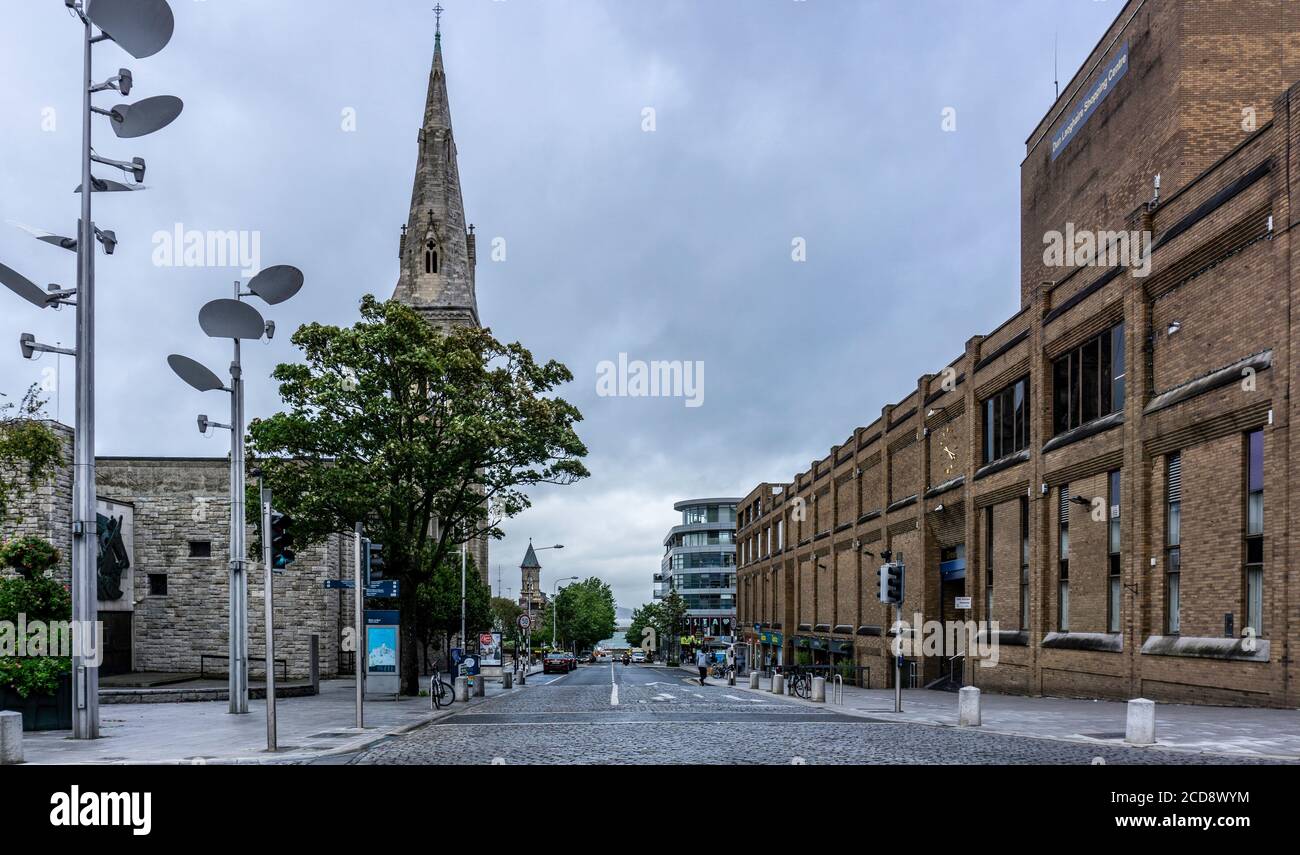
113	558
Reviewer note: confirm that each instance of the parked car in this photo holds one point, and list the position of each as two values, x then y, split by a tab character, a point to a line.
573	661
638	656
556	663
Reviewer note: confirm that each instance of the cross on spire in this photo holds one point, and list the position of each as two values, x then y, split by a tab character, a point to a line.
437	20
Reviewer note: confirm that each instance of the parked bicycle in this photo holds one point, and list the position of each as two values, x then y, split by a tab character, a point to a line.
799	682
721	670
442	692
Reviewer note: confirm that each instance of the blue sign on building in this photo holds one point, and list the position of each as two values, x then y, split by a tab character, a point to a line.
1089	100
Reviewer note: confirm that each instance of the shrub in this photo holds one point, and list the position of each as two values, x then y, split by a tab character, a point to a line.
41	598
30	555
33	675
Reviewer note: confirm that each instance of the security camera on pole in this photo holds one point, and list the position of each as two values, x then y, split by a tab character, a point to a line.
237	320
141	28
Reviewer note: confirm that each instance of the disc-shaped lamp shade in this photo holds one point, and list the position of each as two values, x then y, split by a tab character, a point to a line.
195	373
276	284
140	27
22	286
231	319
144	117
105	185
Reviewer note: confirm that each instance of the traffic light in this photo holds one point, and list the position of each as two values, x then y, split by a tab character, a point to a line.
281	540
372	557
891	583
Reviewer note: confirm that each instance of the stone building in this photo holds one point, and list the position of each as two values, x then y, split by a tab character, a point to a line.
1108	474
172	614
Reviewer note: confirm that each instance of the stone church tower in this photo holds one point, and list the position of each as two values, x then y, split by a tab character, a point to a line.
436	249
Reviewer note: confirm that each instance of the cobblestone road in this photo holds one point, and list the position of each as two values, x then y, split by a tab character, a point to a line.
661	718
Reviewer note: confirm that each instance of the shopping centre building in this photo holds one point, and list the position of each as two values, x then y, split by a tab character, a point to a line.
1103	482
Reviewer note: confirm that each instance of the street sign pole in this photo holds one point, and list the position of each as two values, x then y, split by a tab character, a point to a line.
360	623
269	576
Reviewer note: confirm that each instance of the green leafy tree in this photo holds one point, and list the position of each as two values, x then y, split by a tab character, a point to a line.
672	621
645	620
29	450
431	439
505	612
585	612
437	617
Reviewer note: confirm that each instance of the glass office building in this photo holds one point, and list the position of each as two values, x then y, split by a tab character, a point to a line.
699	563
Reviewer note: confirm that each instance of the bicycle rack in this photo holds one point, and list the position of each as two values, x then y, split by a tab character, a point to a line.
837	689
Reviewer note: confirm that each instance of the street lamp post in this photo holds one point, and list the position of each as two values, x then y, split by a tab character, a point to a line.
236	320
555	606
529	638
141	28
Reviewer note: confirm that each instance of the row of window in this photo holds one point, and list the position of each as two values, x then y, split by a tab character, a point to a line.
697	514
762	544
1252	548
691	560
702	538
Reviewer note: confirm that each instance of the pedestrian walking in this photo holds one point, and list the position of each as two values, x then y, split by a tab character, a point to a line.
702	662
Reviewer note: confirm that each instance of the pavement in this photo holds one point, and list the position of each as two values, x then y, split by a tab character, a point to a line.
203	732
632	715
1223	731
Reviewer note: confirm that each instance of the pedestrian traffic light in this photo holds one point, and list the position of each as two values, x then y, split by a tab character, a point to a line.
891	583
281	540
372	556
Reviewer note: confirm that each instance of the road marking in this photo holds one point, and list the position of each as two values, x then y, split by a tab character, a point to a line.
613	695
664	696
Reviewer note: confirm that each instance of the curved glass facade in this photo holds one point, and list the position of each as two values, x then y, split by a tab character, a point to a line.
699	564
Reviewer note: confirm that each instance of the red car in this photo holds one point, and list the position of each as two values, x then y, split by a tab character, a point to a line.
556	662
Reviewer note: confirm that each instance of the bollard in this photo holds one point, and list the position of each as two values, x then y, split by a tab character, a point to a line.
11	738
778	684
731	678
753	679
507	680
1141	727
480	687
314	664
462	689
819	689
968	707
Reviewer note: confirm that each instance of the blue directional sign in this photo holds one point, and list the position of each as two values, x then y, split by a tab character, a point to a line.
389	588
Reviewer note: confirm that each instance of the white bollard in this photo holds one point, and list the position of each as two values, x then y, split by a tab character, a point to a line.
462	689
968	707
819	689
1141	728
753	679
11	738
778	684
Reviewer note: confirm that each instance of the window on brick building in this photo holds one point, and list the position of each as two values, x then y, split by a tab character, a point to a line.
1063	562
200	549
157	584
1113	582
988	563
1024	562
1088	381
1255	532
1006	421
780	535
1173	543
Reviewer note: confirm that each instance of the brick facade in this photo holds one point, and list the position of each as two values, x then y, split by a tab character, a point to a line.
1208	347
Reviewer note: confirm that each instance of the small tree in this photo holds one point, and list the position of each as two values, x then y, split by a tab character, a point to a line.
29	450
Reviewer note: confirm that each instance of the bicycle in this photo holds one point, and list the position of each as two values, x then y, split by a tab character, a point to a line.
720	671
442	692
799	682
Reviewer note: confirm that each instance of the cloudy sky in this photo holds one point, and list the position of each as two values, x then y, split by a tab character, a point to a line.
773	120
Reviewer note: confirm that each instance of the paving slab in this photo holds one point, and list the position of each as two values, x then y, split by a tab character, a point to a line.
205	733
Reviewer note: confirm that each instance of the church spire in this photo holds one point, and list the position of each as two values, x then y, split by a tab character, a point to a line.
437	251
